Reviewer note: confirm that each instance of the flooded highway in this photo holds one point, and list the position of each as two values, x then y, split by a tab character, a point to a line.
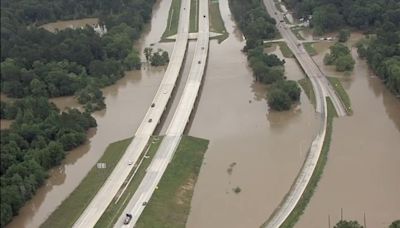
251	148
362	173
254	154
127	102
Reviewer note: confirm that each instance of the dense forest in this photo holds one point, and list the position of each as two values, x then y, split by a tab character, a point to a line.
381	18
257	26
37	64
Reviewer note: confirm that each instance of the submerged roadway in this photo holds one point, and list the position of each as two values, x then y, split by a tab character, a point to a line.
116	179
322	89
175	129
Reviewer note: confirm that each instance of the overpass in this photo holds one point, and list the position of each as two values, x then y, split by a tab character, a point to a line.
121	171
322	89
175	129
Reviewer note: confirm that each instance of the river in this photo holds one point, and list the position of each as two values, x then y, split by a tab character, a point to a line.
127	101
362	173
250	147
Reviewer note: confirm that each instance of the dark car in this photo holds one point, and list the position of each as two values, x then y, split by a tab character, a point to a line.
128	218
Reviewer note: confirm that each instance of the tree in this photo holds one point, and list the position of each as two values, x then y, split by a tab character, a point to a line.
147	53
38	88
395	224
278	100
347	224
344	35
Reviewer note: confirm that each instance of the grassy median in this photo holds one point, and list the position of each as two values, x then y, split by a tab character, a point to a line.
170	203
216	21
72	207
194	16
286	52
173	19
344	97
306	84
294	216
117	205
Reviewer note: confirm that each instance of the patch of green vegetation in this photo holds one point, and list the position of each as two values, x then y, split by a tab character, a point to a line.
344	97
194	16
170	203
173	19
114	209
286	52
306	84
310	49
72	207
278	6
296	31
316	176
216	22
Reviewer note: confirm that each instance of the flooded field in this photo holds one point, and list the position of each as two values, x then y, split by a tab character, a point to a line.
251	148
127	101
60	25
362	173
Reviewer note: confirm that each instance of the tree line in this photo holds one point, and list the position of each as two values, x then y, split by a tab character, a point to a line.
37	64
380	17
258	26
38	139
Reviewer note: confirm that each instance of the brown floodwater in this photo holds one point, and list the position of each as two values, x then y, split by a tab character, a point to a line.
60	25
362	173
127	101
250	147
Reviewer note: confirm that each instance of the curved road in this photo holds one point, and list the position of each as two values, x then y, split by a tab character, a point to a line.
175	129
114	182
322	89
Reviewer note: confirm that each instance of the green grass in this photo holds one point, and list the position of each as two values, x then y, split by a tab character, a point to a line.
305	83
170	203
316	176
72	207
194	16
216	22
310	49
115	208
344	97
173	19
286	52
296	31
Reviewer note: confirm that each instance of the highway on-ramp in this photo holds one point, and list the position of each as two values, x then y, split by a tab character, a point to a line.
116	179
175	129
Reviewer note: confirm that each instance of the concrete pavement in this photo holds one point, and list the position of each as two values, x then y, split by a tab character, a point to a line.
175	129
114	182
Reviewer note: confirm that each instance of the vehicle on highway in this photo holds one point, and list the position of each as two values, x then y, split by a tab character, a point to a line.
144	203
130	162
127	219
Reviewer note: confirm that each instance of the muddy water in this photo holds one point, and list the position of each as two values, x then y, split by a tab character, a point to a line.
250	147
127	102
60	25
362	173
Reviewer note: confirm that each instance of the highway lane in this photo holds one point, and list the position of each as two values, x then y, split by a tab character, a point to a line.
114	182
175	129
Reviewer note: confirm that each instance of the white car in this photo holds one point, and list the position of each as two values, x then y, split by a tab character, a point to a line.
130	162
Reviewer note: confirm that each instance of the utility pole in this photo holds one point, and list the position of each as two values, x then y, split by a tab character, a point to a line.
329	221
365	221
341	214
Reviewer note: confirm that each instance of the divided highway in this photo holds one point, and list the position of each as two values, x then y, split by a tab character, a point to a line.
322	89
114	182
175	129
